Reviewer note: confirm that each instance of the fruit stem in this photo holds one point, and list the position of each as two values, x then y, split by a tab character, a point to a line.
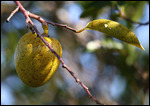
80	30
45	28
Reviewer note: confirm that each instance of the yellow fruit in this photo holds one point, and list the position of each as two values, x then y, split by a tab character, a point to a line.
35	63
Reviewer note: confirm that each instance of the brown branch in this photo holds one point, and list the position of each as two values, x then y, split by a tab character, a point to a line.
12	13
40	19
61	25
27	15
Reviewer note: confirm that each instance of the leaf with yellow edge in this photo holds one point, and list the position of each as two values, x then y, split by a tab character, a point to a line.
113	29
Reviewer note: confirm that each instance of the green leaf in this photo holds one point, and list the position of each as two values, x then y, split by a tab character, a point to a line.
113	29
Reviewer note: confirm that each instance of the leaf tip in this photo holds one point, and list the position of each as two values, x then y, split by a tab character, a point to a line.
141	47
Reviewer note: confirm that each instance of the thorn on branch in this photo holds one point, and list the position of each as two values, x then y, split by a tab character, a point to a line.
77	80
63	66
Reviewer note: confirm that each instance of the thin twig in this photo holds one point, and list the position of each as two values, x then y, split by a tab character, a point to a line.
40	19
27	15
61	25
12	13
78	81
128	19
122	14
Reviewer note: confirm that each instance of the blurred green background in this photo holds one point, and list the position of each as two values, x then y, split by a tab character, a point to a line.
114	71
